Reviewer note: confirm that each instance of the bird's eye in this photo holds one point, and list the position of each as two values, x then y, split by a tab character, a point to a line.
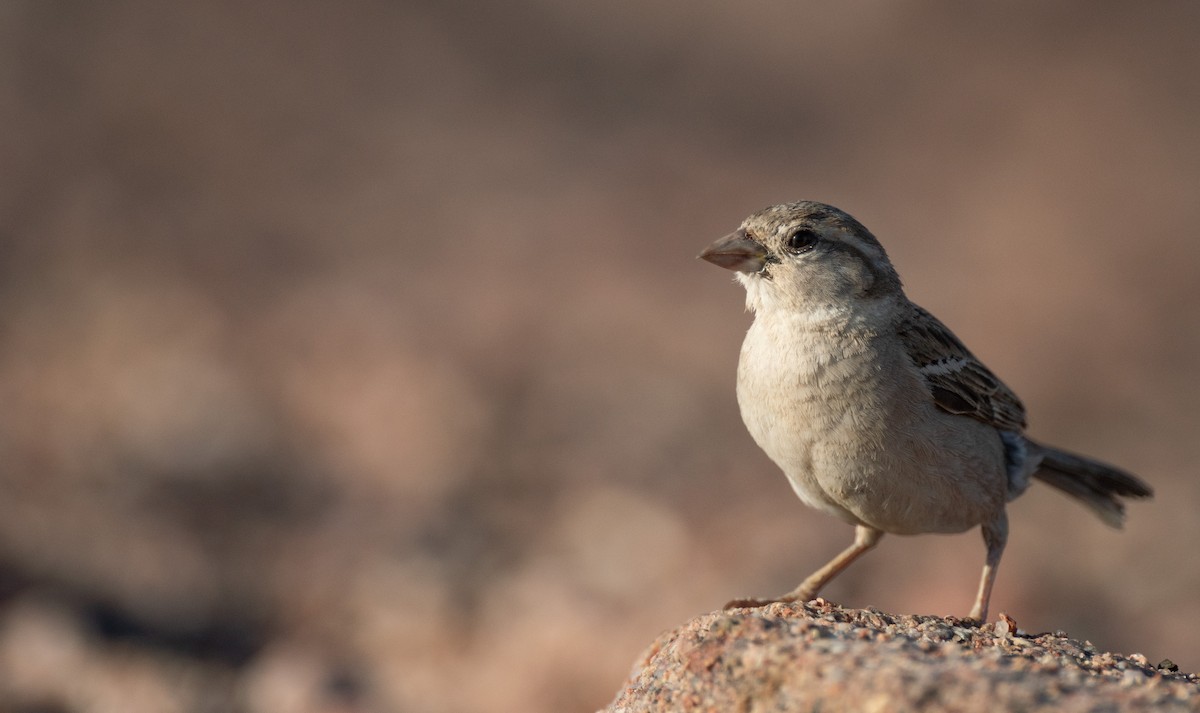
802	240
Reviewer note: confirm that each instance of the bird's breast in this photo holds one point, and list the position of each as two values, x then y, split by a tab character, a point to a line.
811	392
847	417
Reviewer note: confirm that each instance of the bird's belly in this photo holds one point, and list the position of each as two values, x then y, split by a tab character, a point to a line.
946	478
876	452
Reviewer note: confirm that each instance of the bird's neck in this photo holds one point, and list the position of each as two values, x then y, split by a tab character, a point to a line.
826	317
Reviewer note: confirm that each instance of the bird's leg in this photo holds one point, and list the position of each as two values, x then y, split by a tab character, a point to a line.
995	534
864	539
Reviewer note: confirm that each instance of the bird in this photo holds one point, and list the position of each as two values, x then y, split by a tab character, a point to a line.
874	410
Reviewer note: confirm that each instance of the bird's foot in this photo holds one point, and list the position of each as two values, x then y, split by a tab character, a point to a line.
747	603
751	603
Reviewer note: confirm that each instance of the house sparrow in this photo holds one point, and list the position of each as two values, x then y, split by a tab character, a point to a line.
874	410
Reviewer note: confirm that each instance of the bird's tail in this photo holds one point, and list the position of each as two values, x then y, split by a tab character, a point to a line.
1097	485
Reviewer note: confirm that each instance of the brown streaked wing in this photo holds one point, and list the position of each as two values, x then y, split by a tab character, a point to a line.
958	382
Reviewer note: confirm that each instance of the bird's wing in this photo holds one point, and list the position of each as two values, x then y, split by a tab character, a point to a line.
958	382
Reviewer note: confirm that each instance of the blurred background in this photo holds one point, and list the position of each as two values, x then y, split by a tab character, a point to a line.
354	356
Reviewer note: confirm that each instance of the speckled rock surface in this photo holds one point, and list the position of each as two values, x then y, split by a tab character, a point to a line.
818	656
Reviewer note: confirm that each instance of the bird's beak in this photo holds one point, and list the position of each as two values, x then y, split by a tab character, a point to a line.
737	251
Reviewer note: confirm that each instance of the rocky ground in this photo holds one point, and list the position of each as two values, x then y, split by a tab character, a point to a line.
819	656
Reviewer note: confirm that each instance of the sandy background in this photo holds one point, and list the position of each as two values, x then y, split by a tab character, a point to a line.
354	356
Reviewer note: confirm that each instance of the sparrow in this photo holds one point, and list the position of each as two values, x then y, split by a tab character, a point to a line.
874	410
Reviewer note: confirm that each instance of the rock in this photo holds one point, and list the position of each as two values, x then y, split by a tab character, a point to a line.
818	656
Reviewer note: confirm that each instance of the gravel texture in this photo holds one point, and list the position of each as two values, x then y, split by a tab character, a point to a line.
819	656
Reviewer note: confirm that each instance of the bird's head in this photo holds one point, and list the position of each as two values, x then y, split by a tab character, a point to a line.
805	256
